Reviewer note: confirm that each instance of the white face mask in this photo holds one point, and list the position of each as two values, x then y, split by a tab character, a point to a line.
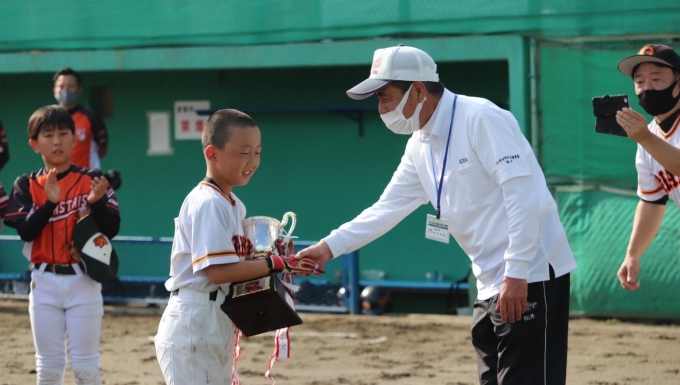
397	122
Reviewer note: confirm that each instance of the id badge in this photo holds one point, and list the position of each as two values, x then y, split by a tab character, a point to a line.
437	229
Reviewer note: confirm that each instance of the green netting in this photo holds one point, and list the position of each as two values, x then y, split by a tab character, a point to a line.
73	24
598	225
569	78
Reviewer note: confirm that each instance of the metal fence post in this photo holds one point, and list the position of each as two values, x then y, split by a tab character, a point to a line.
350	280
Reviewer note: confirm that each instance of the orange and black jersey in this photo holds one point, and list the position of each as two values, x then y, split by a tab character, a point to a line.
3	201
47	227
4	147
90	136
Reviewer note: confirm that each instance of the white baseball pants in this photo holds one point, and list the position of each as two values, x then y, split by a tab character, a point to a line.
60	306
195	340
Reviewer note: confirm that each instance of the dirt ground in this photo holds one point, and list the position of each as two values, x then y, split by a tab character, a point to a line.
359	350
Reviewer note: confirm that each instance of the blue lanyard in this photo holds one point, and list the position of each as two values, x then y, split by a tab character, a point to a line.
439	186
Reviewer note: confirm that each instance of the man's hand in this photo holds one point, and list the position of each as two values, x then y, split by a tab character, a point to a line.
98	187
628	272
304	266
634	124
512	301
52	186
320	253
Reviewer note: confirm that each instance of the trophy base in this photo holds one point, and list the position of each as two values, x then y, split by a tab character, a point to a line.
260	305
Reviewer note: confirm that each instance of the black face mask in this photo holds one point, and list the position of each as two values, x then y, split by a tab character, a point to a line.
658	102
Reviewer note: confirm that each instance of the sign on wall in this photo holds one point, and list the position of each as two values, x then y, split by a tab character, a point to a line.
159	133
188	124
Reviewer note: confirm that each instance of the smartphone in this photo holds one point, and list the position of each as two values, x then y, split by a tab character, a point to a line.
604	109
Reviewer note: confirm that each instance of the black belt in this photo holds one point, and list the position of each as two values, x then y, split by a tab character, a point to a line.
60	269
212	296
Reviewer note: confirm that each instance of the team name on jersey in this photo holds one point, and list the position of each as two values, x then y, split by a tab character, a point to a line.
67	207
242	245
667	180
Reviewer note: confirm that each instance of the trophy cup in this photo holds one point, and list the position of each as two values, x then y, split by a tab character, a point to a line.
264	304
263	232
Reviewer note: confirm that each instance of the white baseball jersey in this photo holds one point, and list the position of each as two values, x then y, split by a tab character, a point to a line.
512	231
653	180
207	232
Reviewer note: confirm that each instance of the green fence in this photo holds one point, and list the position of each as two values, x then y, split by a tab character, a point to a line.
598	223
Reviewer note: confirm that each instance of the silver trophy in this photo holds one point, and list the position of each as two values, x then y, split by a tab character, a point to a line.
266	303
263	232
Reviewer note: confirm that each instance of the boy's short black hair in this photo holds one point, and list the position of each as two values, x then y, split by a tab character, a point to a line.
49	118
66	71
217	130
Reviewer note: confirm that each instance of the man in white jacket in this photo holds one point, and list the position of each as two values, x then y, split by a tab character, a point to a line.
469	158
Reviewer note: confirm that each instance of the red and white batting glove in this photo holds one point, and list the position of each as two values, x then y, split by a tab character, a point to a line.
304	266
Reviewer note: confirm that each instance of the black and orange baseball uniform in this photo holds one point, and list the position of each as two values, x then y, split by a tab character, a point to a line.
4	147
90	135
655	183
64	302
47	227
4	199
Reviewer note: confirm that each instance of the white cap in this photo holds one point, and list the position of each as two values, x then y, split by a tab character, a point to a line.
396	63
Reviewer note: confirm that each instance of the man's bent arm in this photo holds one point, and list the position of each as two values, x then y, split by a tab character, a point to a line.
646	224
401	197
371	223
663	152
521	204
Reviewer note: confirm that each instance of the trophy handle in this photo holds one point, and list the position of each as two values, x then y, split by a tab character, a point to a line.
284	222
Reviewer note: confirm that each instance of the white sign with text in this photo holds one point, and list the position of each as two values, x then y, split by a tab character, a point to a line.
188	124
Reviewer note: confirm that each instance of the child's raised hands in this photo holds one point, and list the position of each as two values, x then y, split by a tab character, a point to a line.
52	186
99	185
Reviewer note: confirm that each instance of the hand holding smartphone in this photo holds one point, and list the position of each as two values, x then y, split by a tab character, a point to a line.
604	109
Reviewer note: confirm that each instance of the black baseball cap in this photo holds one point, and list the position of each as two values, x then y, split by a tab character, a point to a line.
654	53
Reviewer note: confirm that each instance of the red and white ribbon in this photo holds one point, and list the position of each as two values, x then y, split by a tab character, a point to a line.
236	353
282	337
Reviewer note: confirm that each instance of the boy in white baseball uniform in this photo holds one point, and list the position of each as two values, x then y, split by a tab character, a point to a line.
44	207
195	339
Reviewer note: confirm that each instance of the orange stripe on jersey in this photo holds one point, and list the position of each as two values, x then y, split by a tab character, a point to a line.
16	214
671	131
224	253
228	198
650	192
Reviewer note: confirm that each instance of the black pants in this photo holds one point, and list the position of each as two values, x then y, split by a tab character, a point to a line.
532	351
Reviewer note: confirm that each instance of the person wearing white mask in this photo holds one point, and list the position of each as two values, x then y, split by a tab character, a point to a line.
469	158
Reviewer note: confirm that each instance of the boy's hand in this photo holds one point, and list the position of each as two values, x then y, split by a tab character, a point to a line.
52	186
98	188
304	266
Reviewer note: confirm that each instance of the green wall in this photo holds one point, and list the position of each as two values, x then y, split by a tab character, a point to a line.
570	76
106	24
314	163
